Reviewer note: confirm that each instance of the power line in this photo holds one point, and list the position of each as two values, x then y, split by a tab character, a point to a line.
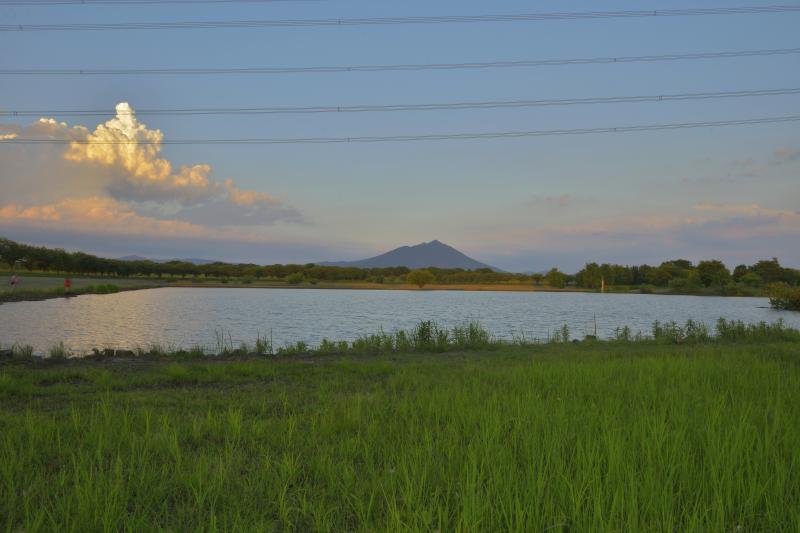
426	137
406	107
400	67
385	21
35	3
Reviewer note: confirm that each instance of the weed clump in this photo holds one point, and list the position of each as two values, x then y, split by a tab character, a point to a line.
58	351
785	298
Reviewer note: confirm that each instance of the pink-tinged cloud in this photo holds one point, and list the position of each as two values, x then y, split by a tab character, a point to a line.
785	155
711	224
108	174
752	210
248	198
100	215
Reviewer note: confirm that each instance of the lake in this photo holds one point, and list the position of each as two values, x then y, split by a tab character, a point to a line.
186	317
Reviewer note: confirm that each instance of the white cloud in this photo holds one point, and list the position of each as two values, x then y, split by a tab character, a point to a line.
128	147
119	167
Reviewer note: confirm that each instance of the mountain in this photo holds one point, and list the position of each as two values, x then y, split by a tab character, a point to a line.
427	254
187	260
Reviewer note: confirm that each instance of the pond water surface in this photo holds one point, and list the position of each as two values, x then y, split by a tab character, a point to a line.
186	317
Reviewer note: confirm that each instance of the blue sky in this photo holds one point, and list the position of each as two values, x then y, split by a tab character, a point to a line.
521	204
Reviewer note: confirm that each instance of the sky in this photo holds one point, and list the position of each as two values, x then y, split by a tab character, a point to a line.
521	204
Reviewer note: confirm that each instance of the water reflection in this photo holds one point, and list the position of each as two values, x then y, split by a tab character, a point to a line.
189	317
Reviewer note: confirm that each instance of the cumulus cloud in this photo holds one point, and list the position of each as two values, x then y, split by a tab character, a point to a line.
117	173
128	147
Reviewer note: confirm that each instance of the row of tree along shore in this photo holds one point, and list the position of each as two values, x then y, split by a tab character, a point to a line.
677	276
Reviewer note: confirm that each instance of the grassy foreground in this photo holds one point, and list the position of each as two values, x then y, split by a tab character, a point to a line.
559	437
36	288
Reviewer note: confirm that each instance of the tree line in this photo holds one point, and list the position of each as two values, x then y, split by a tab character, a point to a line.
682	274
19	256
679	274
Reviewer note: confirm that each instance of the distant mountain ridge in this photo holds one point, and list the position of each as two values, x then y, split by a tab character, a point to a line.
194	261
427	254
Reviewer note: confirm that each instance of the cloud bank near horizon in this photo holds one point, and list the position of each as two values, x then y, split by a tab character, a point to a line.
734	233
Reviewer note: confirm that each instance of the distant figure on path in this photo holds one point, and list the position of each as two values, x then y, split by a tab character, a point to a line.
67	285
14	282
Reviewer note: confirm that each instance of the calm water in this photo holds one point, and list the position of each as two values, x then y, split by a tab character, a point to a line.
189	317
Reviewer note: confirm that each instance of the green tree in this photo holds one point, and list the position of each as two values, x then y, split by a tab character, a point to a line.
770	271
590	276
751	279
295	279
11	252
713	272
556	278
739	272
660	276
420	277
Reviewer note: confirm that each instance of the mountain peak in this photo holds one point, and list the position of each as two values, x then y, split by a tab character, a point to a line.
426	254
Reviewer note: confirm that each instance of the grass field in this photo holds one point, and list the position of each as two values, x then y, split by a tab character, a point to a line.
43	288
54	282
603	436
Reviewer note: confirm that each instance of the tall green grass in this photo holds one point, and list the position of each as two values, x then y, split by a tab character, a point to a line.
557	437
429	337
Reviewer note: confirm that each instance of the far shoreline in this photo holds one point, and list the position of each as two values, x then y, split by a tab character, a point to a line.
41	295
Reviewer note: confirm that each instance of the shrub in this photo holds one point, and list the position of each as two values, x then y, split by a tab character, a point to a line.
102	289
298	348
785	298
327	347
295	279
420	277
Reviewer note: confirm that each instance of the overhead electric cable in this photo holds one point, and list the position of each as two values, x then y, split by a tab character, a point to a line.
491	104
384	68
385	21
405	138
35	3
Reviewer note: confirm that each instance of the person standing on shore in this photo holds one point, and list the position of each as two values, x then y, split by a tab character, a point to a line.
67	285
14	281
